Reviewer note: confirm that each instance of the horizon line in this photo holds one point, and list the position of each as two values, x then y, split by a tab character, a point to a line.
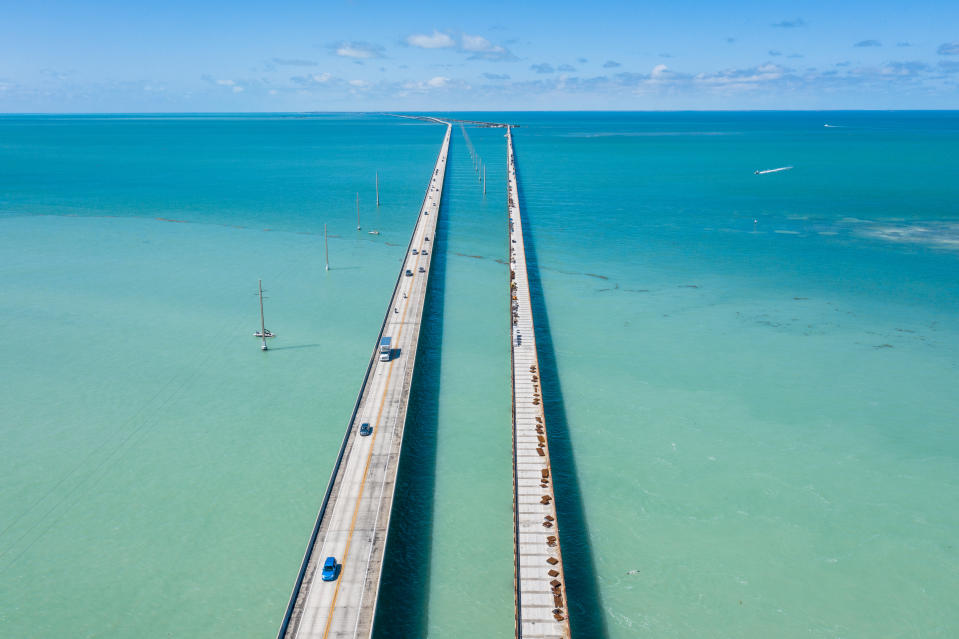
428	111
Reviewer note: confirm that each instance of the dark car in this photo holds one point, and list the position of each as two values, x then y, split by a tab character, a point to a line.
329	569
365	429
409	273
422	270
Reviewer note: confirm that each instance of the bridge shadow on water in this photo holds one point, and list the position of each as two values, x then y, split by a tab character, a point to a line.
403	607
587	617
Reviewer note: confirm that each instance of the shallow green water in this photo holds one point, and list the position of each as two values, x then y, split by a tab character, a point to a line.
761	413
756	419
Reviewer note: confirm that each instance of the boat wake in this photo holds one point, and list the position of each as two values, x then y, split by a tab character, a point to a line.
765	171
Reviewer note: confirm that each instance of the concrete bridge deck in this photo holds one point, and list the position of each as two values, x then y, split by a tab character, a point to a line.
353	521
541	607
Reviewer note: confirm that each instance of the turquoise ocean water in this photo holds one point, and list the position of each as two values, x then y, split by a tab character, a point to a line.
751	387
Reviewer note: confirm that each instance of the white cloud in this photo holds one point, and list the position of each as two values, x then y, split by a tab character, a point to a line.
317	79
438	82
659	71
359	83
483	49
476	43
232	84
436	41
348	51
742	78
911	68
358	50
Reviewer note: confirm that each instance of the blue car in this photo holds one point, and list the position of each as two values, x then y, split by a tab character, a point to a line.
365	429
329	569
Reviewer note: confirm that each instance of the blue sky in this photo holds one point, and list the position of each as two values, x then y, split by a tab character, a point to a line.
103	56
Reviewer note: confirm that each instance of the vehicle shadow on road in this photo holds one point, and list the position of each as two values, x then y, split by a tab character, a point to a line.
586	618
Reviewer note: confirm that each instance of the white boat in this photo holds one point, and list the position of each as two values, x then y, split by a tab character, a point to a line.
765	171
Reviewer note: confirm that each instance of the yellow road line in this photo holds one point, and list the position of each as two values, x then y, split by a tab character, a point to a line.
366	468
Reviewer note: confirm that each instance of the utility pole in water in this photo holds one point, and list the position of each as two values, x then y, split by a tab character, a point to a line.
263	333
